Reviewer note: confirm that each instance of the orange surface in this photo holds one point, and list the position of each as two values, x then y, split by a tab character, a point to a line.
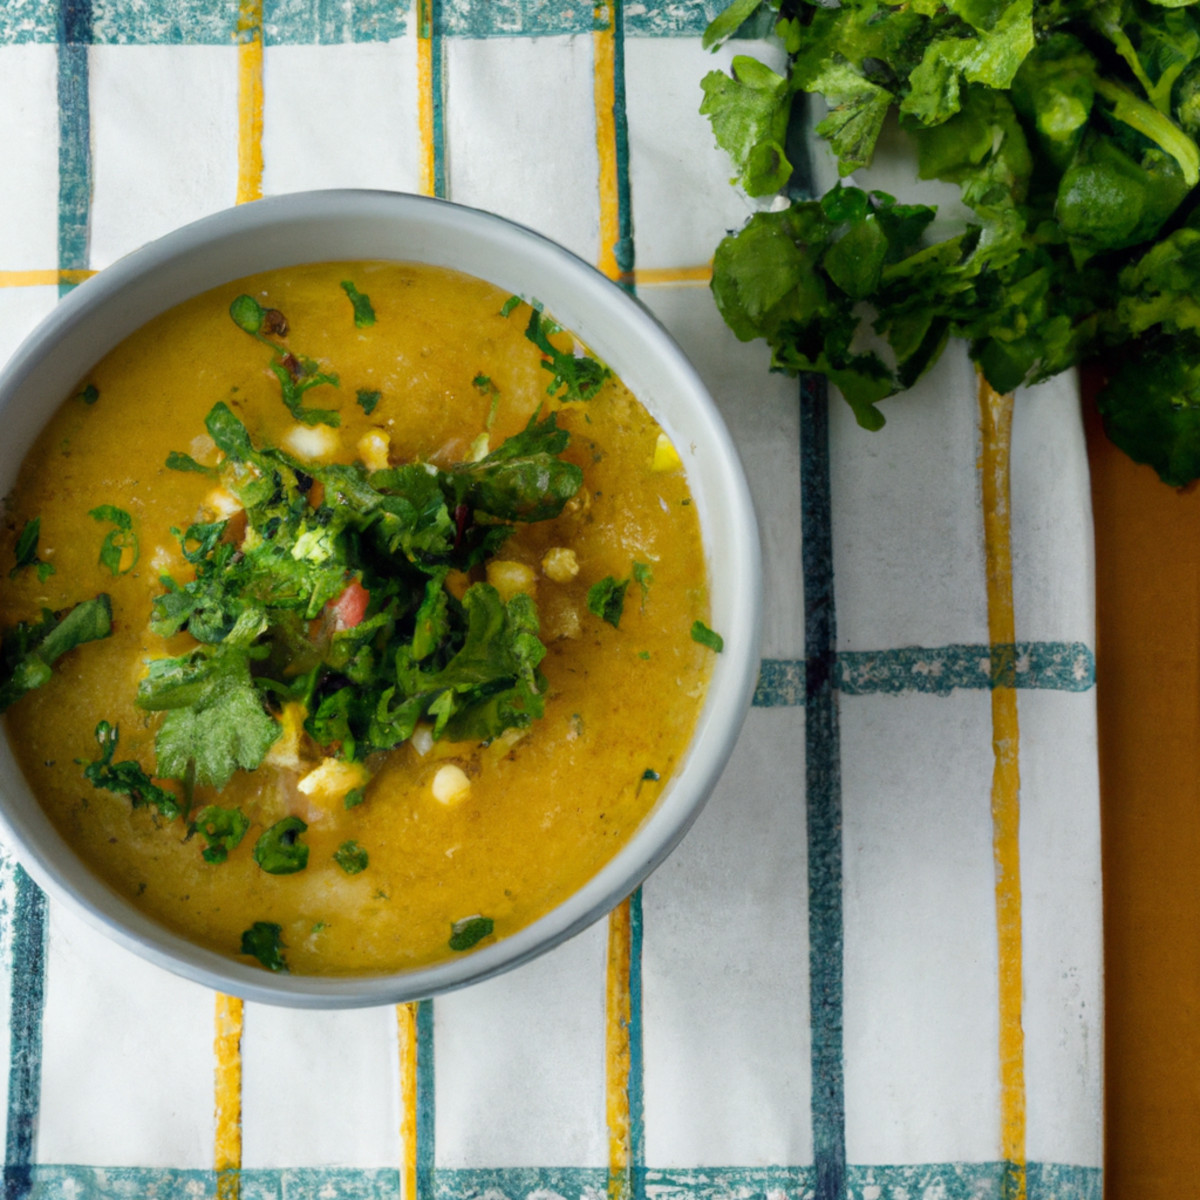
1148	673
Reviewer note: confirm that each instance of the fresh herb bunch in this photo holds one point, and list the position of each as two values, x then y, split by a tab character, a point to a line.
1070	127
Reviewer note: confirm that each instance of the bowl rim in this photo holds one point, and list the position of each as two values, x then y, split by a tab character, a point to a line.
37	844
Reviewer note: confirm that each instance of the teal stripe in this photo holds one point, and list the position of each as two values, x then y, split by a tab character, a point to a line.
74	33
210	22
437	54
426	1154
320	22
946	1181
936	670
26	1008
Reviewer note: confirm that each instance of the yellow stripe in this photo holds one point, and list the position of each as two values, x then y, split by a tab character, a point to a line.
658	276
250	101
618	1014
406	1023
425	97
42	278
996	413
618	1002
605	96
227	1143
227	1049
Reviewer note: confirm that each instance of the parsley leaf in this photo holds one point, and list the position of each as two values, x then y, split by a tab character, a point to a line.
351	857
264	941
364	314
279	850
470	931
28	651
127	778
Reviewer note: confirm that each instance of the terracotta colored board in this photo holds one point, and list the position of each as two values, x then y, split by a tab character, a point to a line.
1148	692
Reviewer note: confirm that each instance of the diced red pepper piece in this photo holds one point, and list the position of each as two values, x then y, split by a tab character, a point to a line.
350	607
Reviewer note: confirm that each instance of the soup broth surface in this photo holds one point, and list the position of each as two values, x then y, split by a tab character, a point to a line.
444	374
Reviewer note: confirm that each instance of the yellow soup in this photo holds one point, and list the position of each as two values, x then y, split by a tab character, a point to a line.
279	483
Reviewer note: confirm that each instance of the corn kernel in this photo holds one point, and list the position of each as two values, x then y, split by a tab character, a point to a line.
560	564
450	784
311	442
510	578
333	779
373	449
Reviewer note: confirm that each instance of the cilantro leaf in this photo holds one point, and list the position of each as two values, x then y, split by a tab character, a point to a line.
523	479
364	314
296	374
279	850
469	931
178	461
119	551
222	830
127	778
606	599
367	400
29	651
1071	131
25	551
749	111
215	721
573	376
351	857
264	941
707	637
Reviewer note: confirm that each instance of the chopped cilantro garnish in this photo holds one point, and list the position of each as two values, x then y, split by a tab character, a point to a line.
364	314
355	797
575	376
26	553
88	394
215	721
509	304
119	550
650	775
706	637
264	941
28	651
222	830
351	857
296	374
469	932
279	850
485	385
411	652
606	599
367	400
127	778
177	461
643	576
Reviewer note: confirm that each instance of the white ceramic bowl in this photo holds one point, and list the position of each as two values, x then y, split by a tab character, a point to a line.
346	225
